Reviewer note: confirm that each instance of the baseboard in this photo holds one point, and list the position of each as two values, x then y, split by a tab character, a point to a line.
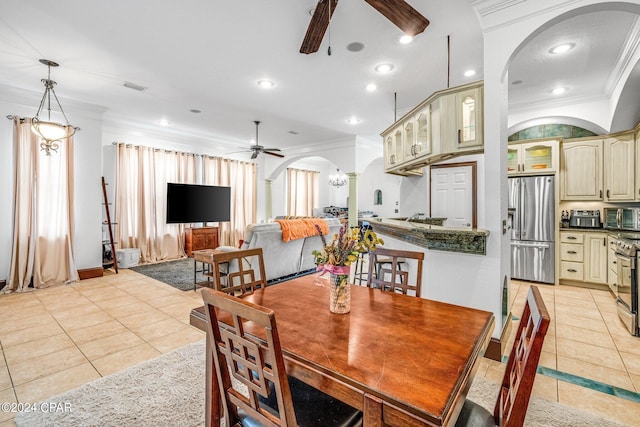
90	273
496	347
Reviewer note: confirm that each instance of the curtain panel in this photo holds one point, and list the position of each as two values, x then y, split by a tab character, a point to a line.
142	174
303	188
241	177
42	250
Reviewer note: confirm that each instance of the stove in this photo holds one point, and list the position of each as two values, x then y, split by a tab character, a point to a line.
626	246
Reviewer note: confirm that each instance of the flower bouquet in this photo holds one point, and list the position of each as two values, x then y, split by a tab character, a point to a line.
336	257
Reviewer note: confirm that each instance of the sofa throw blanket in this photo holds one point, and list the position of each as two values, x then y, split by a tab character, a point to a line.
293	229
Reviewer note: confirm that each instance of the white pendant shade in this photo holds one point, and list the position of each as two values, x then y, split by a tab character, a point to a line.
50	131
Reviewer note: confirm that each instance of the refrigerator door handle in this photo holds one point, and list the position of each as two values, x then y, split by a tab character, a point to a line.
531	245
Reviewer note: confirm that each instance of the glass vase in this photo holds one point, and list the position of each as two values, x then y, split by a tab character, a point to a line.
339	294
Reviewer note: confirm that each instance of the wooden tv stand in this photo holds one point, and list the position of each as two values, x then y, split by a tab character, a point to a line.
196	239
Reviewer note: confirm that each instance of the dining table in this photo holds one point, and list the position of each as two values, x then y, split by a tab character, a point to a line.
401	360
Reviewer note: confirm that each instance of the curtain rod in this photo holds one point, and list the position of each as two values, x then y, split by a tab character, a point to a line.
11	117
182	152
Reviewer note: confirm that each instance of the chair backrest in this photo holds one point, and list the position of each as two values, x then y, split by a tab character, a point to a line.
385	270
256	364
242	271
522	365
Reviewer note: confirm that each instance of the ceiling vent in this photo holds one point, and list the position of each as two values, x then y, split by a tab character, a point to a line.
134	86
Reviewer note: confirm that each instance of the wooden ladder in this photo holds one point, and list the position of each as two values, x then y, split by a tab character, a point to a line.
109	224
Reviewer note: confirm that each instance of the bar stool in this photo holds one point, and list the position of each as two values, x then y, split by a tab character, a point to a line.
360	272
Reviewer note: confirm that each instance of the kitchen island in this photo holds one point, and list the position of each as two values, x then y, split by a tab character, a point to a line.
437	237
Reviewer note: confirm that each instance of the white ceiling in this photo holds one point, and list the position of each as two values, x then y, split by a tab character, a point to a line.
208	55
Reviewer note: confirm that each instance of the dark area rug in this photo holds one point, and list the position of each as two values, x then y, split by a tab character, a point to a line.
178	273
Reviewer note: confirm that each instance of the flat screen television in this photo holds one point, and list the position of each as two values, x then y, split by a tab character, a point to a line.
187	203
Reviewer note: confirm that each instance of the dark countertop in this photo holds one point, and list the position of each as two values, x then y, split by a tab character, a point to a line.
452	239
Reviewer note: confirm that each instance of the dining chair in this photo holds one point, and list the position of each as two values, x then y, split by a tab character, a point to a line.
517	383
271	397
385	270
243	269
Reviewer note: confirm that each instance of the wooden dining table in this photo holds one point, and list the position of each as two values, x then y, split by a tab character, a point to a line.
403	361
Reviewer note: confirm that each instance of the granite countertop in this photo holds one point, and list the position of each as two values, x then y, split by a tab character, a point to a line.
437	237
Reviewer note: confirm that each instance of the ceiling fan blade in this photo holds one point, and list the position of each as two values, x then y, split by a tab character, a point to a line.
254	154
271	149
271	153
405	17
318	26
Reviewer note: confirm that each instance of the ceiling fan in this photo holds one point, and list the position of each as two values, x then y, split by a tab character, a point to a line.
399	12
257	149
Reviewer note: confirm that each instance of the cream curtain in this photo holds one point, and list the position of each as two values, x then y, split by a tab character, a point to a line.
303	192
142	174
241	177
43	213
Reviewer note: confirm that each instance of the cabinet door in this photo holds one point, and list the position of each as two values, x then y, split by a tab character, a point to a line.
469	118
619	167
423	131
409	140
581	170
398	138
389	152
596	263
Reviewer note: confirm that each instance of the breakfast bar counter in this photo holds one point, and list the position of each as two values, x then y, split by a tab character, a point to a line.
452	239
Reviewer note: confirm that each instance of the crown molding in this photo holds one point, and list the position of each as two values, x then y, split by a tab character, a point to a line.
627	59
496	14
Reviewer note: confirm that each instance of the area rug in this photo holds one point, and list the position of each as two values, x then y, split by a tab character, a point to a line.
178	273
169	391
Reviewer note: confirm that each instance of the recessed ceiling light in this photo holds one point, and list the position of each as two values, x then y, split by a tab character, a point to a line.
470	73
353	120
266	84
406	39
384	68
371	87
559	90
562	48
164	122
516	82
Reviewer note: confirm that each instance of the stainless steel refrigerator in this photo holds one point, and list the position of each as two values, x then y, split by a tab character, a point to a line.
532	219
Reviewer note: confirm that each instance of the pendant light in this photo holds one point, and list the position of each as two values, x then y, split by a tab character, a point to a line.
50	131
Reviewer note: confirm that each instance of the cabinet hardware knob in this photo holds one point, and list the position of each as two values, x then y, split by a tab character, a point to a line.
459	136
607	194
571	270
572	252
571	237
601	194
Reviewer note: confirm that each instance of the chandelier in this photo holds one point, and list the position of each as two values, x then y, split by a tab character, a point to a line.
50	131
337	180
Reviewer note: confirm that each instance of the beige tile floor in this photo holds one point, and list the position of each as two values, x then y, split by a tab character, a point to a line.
56	339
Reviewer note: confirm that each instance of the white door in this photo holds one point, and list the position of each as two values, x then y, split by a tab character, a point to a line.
452	195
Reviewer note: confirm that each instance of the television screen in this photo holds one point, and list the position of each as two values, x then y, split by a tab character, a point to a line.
197	203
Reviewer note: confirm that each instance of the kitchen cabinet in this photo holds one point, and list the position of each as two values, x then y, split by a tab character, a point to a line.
532	157
583	256
196	239
393	148
445	125
468	114
619	167
581	170
418	134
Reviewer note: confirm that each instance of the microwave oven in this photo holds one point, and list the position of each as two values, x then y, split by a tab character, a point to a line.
622	218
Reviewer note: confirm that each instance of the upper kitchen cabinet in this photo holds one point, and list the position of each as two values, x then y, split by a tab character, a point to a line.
581	170
532	157
445	125
619	167
393	153
468	113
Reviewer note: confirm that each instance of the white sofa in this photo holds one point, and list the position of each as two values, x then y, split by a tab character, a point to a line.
285	259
